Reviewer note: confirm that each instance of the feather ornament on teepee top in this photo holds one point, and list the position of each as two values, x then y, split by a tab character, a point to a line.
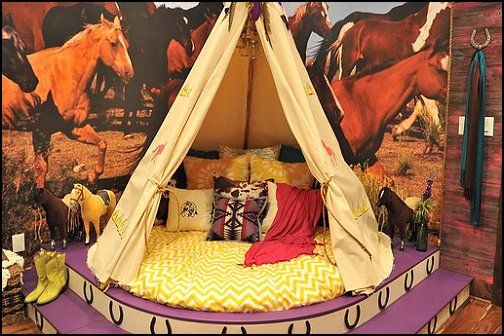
266	21
258	10
229	13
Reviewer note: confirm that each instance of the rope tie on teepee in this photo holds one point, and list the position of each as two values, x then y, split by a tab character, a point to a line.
324	187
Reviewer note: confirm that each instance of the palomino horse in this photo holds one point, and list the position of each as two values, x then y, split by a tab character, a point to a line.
324	56
369	103
15	65
149	38
65	74
308	18
95	209
371	43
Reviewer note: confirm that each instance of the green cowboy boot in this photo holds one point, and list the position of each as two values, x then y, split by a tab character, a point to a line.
40	266
57	275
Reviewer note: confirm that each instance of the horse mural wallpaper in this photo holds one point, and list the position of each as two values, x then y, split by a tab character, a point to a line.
94	81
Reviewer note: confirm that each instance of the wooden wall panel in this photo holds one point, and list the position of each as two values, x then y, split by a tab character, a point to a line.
497	289
465	248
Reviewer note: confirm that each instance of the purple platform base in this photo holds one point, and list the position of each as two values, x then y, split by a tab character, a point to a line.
76	256
409	314
414	297
68	314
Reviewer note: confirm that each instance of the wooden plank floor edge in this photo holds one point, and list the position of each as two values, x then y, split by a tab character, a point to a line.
477	316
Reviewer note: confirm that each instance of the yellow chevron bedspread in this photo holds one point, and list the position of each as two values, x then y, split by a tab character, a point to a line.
185	271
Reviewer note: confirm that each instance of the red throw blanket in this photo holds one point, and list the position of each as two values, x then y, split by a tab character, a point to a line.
292	231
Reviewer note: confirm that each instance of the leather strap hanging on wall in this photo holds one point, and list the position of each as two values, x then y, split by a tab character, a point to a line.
472	145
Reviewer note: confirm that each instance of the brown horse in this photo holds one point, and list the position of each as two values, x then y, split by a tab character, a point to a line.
149	38
61	102
370	102
371	43
179	60
308	18
64	221
28	18
400	216
325	58
15	65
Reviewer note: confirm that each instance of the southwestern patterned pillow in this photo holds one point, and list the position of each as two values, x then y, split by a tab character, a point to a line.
234	219
241	190
268	153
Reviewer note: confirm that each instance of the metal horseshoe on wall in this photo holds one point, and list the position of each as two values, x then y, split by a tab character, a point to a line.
480	46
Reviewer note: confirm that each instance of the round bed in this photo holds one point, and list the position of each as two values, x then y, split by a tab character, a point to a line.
183	270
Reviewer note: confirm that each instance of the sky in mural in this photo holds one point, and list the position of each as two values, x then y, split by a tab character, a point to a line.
337	11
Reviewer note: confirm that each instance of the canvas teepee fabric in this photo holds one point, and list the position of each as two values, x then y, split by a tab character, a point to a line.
363	255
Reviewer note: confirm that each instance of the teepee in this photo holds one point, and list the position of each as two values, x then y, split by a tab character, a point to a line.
248	88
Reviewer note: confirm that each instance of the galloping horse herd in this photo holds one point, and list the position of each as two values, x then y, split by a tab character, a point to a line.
367	69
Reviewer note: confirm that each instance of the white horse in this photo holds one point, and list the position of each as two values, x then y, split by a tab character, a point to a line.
95	209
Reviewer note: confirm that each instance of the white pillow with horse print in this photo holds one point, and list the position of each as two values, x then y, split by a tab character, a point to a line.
189	210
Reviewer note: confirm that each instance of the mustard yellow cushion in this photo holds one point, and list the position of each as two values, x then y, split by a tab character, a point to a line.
295	174
200	172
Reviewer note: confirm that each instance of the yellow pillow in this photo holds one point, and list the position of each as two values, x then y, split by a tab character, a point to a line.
200	172
295	174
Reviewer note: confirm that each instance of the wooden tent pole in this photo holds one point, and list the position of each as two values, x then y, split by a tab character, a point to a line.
252	58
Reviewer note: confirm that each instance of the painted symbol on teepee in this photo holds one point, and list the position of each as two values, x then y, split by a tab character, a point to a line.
185	92
156	152
309	90
329	152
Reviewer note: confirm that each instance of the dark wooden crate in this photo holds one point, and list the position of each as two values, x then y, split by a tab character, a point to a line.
12	298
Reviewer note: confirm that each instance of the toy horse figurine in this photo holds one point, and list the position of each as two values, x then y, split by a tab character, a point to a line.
63	220
400	215
94	208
